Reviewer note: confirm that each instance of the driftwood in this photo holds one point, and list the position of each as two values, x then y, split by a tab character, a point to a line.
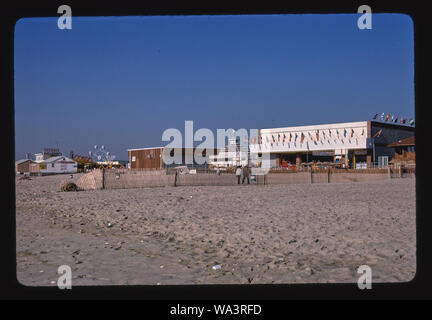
68	186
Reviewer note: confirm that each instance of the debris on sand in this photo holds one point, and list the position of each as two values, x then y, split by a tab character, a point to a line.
68	186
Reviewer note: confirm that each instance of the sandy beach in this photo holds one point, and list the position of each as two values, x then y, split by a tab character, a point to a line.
303	233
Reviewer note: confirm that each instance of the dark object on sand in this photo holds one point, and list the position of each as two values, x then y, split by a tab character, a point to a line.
69	186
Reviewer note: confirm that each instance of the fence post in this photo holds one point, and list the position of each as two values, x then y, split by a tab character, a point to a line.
103	178
175	179
328	175
389	172
311	175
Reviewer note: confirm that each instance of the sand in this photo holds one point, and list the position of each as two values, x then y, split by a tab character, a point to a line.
305	233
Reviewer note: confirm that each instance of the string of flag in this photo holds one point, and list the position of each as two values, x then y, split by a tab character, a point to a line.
393	119
321	136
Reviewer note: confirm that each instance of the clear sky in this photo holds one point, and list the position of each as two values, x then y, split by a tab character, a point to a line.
121	81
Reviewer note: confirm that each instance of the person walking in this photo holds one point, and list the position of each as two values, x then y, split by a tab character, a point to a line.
238	174
246	174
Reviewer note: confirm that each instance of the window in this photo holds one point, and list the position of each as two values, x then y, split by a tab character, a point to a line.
383	161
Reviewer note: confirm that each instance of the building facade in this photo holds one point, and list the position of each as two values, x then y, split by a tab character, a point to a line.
23	166
361	144
153	158
404	153
232	155
55	165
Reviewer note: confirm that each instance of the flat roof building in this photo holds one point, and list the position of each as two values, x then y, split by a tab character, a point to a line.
153	157
349	144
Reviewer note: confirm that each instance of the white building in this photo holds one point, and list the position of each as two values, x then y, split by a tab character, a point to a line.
232	155
351	144
58	164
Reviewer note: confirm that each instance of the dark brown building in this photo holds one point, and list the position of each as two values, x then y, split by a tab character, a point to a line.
152	158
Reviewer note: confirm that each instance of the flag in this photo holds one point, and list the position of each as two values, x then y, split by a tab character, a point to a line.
345	132
278	136
310	136
352	132
337	132
273	138
396	119
290	137
302	138
329	133
387	118
378	134
392	118
362	132
411	122
375	116
317	134
382	116
324	134
295	137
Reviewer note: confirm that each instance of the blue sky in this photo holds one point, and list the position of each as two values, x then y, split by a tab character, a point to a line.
121	81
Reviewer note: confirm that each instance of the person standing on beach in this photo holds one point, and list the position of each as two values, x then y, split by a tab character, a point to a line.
245	174
238	174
